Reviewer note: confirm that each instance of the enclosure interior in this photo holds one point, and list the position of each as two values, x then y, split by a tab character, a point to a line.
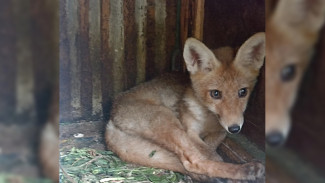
107	47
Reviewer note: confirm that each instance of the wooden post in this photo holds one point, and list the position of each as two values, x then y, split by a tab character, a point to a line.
192	19
198	11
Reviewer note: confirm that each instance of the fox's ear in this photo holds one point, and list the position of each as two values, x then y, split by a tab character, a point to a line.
300	19
251	54
198	57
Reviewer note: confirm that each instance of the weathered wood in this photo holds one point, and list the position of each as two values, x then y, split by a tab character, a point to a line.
130	46
106	61
150	40
8	64
45	52
117	47
171	32
83	58
75	82
160	37
65	76
94	51
231	22
28	71
185	22
275	173
141	52
198	11
25	84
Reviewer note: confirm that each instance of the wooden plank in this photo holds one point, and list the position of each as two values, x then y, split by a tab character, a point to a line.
8	62
150	41
116	42
185	22
285	164
171	31
25	101
94	51
84	59
237	149
198	11
160	37
45	52
65	77
141	52
275	173
75	66
130	38
106	60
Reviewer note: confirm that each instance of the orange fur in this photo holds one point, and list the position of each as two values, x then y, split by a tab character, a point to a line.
176	116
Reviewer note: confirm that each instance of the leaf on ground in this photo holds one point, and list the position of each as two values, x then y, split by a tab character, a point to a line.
89	165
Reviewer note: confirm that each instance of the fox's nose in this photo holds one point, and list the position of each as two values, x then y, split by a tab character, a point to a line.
234	129
275	138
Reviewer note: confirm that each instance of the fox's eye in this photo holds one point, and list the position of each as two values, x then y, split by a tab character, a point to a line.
242	92
216	94
288	72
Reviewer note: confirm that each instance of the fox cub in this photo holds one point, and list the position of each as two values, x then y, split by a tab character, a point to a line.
184	119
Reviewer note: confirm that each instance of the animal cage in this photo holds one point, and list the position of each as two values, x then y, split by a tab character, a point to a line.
107	47
110	46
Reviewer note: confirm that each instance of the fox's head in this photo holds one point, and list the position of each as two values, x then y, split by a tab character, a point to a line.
291	32
223	85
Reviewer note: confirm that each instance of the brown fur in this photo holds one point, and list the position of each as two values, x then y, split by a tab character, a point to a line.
291	32
176	117
49	141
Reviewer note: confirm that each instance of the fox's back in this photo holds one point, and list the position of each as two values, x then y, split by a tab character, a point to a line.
165	90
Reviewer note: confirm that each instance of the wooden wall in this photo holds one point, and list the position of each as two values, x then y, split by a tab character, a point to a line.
109	46
29	54
29	58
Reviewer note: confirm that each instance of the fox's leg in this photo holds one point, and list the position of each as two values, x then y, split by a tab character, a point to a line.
214	139
143	152
159	125
209	142
140	151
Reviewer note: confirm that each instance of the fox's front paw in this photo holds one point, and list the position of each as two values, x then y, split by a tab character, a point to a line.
253	170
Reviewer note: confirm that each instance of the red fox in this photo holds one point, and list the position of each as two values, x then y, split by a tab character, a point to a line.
183	119
291	32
